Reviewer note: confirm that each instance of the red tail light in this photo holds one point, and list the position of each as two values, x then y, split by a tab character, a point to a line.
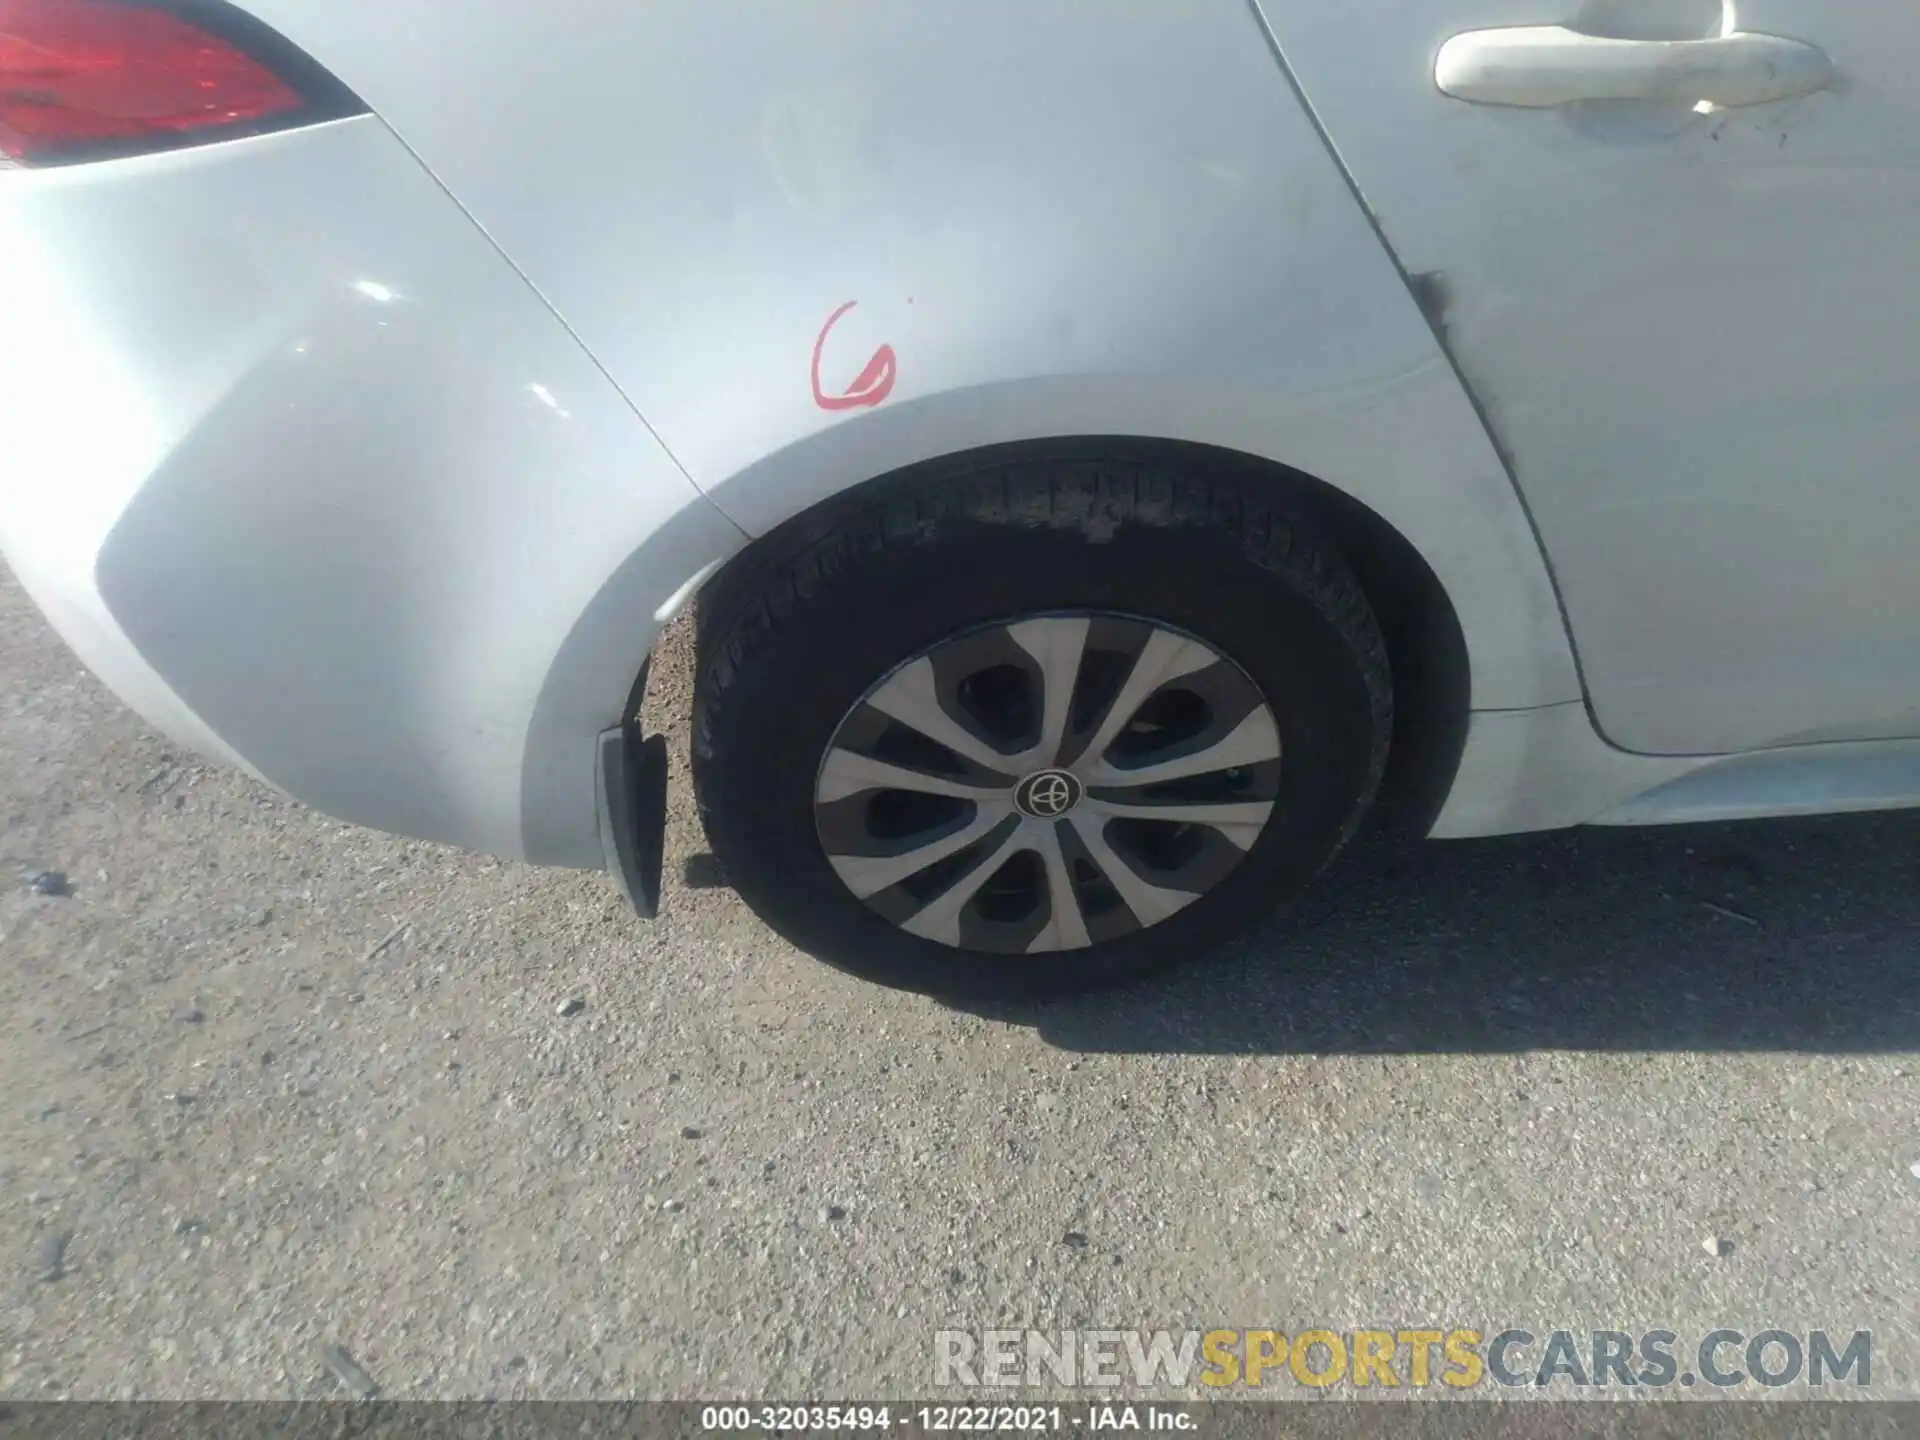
97	79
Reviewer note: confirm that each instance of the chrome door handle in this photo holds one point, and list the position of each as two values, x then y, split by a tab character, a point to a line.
1541	65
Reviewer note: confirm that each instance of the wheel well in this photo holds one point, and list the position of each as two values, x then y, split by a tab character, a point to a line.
1426	648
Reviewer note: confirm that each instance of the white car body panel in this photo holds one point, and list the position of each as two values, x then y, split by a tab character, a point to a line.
1694	334
373	456
698	187
321	485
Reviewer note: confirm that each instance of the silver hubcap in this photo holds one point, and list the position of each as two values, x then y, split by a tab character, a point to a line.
1049	783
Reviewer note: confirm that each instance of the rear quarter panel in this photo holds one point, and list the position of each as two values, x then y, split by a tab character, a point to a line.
1063	216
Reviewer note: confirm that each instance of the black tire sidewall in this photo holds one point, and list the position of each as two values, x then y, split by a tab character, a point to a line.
893	603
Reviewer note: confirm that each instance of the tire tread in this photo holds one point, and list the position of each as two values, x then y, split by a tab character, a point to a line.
747	610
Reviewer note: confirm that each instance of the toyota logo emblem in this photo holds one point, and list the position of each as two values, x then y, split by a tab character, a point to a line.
1047	795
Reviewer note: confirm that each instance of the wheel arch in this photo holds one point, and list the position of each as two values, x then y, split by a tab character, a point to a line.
1427	648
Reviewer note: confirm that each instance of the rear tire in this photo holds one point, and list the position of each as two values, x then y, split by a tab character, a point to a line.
827	634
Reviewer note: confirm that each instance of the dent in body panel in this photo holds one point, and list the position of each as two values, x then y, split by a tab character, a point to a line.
1433	295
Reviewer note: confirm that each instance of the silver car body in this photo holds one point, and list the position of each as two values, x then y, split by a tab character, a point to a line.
373	456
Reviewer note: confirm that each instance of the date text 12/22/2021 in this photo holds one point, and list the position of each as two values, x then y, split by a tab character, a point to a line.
945	1419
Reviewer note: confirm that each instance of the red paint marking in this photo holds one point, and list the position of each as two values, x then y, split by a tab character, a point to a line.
870	386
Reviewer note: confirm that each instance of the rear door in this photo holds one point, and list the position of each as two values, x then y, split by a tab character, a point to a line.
1696	331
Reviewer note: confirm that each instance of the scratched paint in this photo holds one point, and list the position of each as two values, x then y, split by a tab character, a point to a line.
872	385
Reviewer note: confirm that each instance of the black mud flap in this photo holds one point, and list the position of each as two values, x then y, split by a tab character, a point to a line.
630	787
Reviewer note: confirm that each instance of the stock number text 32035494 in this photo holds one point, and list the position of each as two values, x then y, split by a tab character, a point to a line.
932	1419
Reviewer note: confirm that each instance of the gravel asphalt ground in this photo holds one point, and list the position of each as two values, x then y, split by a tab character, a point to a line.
270	1083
